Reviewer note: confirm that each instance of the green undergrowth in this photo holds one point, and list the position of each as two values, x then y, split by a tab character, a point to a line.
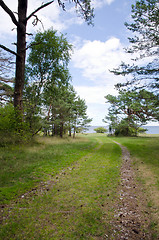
78	203
24	167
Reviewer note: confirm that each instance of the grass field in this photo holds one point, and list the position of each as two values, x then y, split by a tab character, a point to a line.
84	175
70	185
23	167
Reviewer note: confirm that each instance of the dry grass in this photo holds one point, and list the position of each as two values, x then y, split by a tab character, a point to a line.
65	139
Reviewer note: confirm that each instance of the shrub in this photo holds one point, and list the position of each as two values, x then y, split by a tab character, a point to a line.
124	129
100	130
142	130
12	130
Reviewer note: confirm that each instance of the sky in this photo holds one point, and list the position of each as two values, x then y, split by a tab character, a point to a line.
96	49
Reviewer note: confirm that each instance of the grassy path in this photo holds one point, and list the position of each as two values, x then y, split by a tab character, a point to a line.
75	204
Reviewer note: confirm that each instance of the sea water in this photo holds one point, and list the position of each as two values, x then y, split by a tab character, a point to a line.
150	129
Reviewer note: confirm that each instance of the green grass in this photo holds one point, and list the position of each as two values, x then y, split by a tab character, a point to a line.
23	167
80	178
145	150
78	204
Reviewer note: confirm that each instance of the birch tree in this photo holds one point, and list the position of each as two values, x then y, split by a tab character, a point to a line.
20	21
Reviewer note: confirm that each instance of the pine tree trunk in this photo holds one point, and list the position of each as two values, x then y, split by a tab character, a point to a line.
69	131
74	132
55	129
61	129
21	53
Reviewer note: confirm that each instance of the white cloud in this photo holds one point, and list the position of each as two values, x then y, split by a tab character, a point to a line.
96	58
97	112
50	16
95	101
94	94
6	24
100	3
54	16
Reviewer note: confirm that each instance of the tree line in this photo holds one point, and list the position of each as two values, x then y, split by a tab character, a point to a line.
50	103
40	95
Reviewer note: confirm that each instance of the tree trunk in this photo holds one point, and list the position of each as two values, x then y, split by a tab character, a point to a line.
69	131
52	130
21	54
55	129
61	129
74	132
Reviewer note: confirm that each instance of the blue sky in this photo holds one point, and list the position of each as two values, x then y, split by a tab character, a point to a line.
96	49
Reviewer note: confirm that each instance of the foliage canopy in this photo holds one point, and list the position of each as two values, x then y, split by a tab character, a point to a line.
130	110
144	42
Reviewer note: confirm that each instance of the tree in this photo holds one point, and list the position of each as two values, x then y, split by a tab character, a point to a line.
145	41
46	74
48	60
58	99
48	88
131	109
84	10
32	108
79	116
100	130
66	111
145	15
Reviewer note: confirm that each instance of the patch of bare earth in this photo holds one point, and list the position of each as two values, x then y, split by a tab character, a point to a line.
132	219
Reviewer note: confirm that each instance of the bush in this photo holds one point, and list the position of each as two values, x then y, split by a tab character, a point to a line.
12	130
142	130
123	129
100	130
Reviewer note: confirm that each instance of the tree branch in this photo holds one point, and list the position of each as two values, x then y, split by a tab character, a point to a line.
8	50
3	99
37	131
7	80
39	8
31	45
36	20
10	13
